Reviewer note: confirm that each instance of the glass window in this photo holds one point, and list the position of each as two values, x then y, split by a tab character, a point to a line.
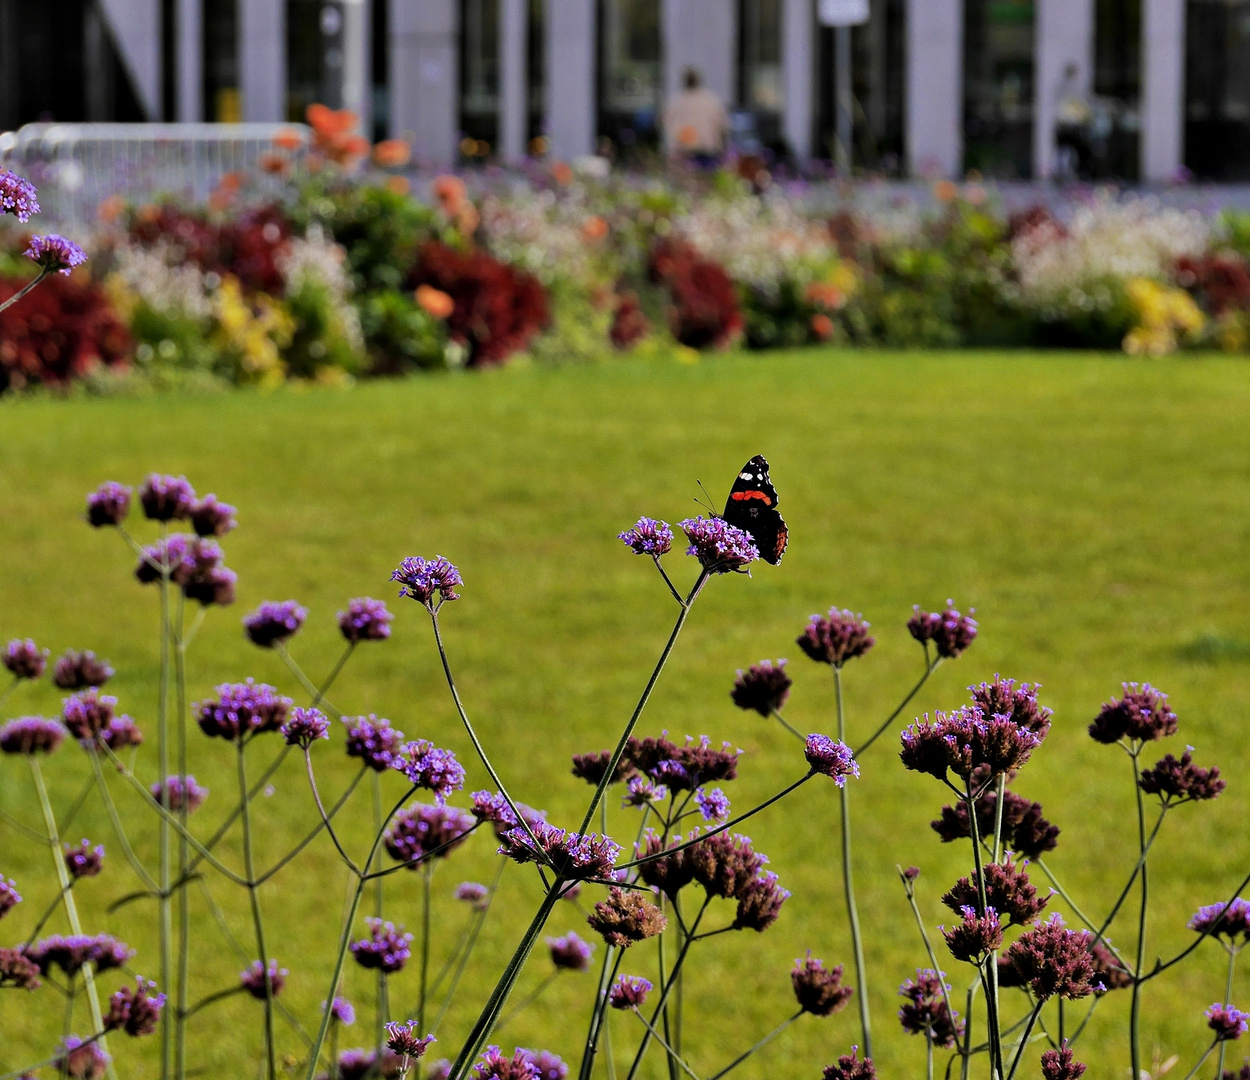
1217	92
479	76
759	56
630	70
998	87
314	52
222	101
1116	115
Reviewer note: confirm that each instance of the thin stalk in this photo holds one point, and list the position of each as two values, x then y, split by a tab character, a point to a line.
1135	1007
233	816
848	882
324	688
1201	1061
929	669
928	946
310	688
528	1000
786	724
1088	1014
583	1071
184	850
4	694
966	1062
599	1025
672	1054
312	835
468	950
212	999
119	829
49	911
23	290
1128	886
258	921
664	994
168	1022
427	871
32	1069
77	805
379	894
758	1046
21	826
1228	998
1072	905
325	818
991	997
71	909
1024	1040
1160	968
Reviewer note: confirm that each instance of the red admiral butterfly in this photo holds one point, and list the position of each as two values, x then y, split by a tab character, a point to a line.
752	507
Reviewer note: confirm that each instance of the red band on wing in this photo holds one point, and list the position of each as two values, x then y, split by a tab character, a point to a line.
740	496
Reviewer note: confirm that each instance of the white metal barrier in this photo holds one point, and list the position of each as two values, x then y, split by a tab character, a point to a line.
77	166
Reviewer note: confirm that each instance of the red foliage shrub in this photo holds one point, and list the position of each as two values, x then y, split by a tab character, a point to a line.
57	333
704	304
1220	282
497	308
246	246
629	324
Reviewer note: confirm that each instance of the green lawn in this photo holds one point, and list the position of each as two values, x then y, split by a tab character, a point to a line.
1092	509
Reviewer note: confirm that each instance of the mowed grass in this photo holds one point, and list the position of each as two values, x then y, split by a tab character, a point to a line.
1092	509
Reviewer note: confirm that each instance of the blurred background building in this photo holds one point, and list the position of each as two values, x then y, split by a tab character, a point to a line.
1129	89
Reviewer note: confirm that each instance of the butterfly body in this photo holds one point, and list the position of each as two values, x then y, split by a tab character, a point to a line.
752	507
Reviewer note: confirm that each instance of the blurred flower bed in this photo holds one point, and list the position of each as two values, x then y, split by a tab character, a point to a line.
360	271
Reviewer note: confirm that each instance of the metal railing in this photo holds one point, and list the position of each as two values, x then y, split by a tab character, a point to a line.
78	166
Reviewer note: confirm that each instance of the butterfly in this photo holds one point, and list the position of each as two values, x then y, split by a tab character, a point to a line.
752	507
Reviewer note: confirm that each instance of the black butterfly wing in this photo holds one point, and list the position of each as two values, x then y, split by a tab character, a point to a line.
752	507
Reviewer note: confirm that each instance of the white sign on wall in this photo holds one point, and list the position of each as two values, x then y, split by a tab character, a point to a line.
842	12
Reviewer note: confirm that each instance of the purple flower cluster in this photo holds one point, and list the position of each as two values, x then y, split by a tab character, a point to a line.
950	632
974	936
273	622
926	1012
472	893
9	896
166	498
372	739
79	1060
55	254
625	917
180	790
831	758
31	735
648	537
1061	1065
212	517
571	855
86	714
1007	890
720	547
763	687
305	727
835	638
549	1065
24	658
643	791
253	979
18	970
1018	703
1055	961
1227	1023
427	766
1141	715
851	1067
713	805
965	741
84	860
17	196
71	953
428	580
1180	780
194	565
494	1065
819	990
243	709
570	953
629	991
108	504
1230	920
423	830
341	1011
385	949
403	1039
759	903
683	768
365	620
591	767
495	809
78	670
136	1012
1025	830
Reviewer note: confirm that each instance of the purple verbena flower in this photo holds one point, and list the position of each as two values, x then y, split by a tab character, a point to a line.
571	855
975	936
763	687
495	1066
120	732
341	1011
427	766
643	791
31	735
87	713
217	586
211	517
818	989
242	709
835	638
950	632
1055	961
926	1012
17	196
683	768
1017	702
965	741
78	670
365	620
1007	890
274	621
1180	780
851	1067
629	991
472	893
305	727
570	953
79	1060
71	953
403	1040
759	903
648	537
18	970
136	1012
1230	920
174	554
713	805
591	767
625	917
721	548
668	873
166	498
1142	714
177	790
54	254
493	807
724	864
1227	1023
372	739
253	979
831	758
24	658
84	860
1061	1065
550	1066
9	896
385	949
424	830
431	582
108	504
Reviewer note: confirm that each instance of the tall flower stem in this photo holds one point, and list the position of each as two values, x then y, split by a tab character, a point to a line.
672	1053
383	1006
1201	1061
757	1047
612	958
1135	1006
664	996
427	871
24	290
1228	998
990	977
71	908
929	669
928	947
467	951
184	849
258	921
848	881
1024	1039
168	1022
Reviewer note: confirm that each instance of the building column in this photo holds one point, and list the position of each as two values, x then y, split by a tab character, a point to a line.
262	60
136	26
935	81
514	110
357	66
1162	89
189	28
701	34
1064	35
797	64
425	77
572	50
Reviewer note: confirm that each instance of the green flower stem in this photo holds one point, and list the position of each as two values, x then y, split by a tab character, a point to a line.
1137	869
991	977
1024	1039
258	921
1072	905
184	849
1088	1015
427	871
664	995
8	690
212	999
1135	1006
1160	967
672	1054
32	1069
23	290
599	1026
21	826
1201	1061
848	882
49	911
165	872
71	909
382	1011
966	1057
119	829
786	724
72	813
929	669
1228	999
758	1046
316	830
316	693
324	688
602	786
928	945
463	961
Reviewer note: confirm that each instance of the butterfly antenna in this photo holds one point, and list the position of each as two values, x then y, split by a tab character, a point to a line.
708	505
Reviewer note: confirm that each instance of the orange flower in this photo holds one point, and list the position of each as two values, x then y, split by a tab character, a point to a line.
288	139
318	116
434	301
561	173
273	163
594	228
945	191
397	184
231	181
822	326
450	193
468	219
391	154
111	209
823	294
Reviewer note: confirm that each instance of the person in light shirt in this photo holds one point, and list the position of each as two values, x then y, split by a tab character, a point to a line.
696	122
